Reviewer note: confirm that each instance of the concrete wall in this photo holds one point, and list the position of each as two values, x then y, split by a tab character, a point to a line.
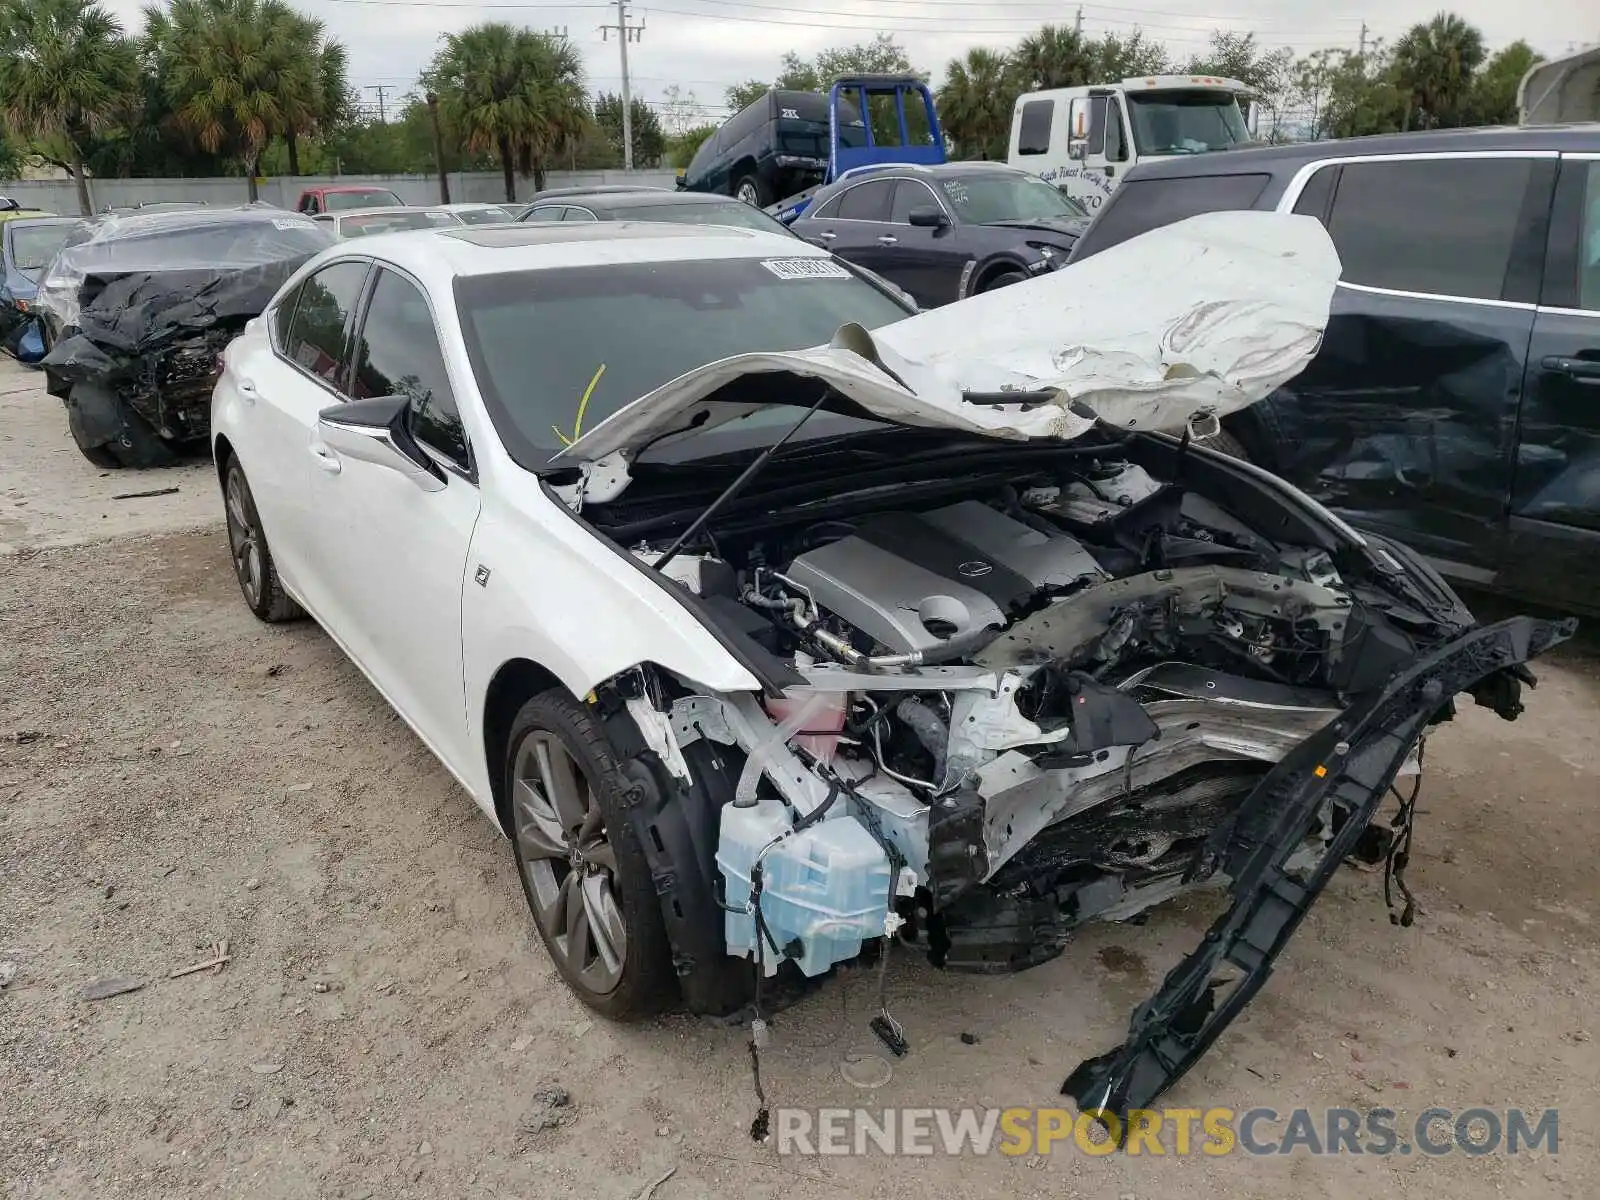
60	195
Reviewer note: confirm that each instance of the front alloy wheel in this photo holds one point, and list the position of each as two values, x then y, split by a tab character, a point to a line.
581	867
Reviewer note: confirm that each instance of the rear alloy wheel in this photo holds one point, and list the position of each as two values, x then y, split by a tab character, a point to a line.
750	191
252	557
582	871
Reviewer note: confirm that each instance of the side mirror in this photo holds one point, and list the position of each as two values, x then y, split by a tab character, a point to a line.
374	431
1078	151
928	216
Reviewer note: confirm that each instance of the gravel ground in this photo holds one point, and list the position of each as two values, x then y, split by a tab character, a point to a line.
173	775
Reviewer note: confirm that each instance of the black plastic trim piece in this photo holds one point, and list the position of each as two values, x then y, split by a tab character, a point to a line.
1341	773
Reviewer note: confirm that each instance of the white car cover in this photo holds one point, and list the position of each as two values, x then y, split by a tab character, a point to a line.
1205	316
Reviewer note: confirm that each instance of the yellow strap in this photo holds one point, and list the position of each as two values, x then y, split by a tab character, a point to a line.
583	405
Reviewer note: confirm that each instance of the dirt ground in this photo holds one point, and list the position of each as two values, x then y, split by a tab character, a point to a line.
173	775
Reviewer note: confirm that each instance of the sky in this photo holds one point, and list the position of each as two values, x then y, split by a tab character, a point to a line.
704	45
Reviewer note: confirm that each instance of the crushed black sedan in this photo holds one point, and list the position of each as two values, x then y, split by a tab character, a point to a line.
136	316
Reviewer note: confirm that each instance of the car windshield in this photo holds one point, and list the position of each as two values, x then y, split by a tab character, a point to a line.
985	199
364	225
1185	122
367	198
483	216
32	246
735	212
545	345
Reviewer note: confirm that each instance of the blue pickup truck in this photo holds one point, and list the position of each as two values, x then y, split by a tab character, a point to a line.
777	151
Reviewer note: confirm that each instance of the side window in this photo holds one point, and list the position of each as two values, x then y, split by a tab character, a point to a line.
308	203
282	317
1116	139
579	214
909	194
1318	191
398	355
1141	205
1097	124
866	201
1445	227
1589	244
741	124
316	340
702	157
549	212
828	211
1034	135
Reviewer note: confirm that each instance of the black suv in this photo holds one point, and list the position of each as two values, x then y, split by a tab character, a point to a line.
772	148
945	232
1455	402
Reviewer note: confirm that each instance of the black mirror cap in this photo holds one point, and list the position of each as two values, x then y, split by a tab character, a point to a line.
928	216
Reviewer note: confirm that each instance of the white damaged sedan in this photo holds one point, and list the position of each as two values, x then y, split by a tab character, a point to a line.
773	624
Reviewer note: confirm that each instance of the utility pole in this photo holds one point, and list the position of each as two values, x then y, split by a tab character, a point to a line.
438	149
625	34
1077	21
1362	52
380	88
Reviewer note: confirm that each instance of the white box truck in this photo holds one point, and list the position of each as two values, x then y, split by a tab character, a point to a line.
1085	139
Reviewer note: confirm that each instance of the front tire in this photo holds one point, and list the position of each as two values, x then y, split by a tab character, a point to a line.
252	557
134	444
1004	279
583	872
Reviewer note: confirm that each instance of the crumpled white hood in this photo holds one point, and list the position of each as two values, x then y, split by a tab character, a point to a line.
1207	315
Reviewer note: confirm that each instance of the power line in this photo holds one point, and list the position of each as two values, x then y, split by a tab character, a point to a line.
625	33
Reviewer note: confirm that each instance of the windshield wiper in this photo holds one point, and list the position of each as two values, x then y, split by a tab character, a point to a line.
738	485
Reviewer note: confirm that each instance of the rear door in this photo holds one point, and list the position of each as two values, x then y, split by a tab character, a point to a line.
862	230
1406	420
1555	502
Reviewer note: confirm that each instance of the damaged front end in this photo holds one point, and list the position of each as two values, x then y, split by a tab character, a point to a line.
1025	667
1064	686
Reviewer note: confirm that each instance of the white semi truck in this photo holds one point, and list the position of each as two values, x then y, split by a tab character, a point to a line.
1085	139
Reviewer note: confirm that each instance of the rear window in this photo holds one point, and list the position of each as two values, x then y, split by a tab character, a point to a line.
32	246
483	216
545	343
365	226
344	201
1034	136
1141	205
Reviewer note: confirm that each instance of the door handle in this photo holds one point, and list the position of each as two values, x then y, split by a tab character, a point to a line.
827	235
1584	370
326	459
888	239
247	390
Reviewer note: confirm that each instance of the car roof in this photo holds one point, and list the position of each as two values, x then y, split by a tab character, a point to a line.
351	187
148	221
599	189
688	199
22	222
383	210
438	256
1289	156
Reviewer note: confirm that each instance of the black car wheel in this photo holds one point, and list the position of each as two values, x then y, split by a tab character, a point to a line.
751	190
1004	279
582	869
252	557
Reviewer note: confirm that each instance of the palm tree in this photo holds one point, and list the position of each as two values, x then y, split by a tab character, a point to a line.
1434	64
975	103
66	71
512	92
236	72
315	93
1055	56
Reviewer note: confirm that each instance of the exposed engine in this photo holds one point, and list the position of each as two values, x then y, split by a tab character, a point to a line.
1026	708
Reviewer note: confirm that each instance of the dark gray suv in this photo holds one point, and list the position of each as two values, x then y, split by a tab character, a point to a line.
1455	403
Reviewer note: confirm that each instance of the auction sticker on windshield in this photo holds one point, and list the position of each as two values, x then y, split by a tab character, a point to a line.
805	268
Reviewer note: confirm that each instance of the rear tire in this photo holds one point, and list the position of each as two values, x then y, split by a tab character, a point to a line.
252	557
752	191
583	872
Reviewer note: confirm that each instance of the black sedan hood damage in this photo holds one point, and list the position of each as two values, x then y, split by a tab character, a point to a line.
1328	788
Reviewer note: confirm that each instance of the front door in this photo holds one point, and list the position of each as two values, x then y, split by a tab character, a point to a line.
1555	504
396	553
927	260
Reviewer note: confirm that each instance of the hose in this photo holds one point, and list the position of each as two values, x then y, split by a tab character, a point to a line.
931	731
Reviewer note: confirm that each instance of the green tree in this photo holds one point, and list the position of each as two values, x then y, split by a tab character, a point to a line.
649	140
1350	95
66	73
975	103
1271	75
1492	99
881	56
514	92
1434	64
236	73
1116	57
1053	56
